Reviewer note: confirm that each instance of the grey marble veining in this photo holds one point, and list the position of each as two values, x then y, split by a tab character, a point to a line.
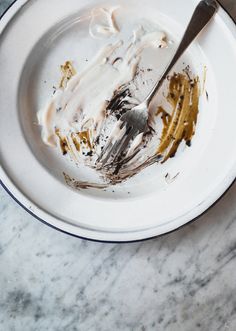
183	281
4	5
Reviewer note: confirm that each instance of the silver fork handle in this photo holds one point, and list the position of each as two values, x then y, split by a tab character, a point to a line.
201	16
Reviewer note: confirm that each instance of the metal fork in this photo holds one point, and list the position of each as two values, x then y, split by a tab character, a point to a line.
135	120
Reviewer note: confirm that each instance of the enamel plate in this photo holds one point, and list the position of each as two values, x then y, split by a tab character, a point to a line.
36	37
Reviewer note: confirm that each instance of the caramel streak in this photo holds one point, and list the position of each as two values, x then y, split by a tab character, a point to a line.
180	126
68	71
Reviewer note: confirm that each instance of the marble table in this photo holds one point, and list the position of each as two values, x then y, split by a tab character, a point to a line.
184	281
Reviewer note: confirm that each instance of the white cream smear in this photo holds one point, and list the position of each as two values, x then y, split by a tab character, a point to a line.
103	22
81	115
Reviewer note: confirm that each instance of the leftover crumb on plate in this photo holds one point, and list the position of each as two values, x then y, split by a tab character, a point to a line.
85	110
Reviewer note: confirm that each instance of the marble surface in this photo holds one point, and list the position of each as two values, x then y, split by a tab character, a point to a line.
183	281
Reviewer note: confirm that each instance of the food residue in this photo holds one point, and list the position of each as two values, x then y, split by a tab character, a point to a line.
80	117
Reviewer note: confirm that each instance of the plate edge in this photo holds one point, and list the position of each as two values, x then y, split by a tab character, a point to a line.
107	241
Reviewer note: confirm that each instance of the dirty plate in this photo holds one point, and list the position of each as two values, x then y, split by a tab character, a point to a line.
36	37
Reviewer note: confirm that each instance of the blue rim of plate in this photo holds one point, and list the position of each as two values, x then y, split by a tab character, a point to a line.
103	241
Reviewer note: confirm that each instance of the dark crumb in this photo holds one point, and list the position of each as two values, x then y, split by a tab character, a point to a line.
86	60
118	116
113	191
83	153
167	175
128	192
117	102
207	95
54	89
149	69
188	143
116	60
59	109
90	153
98	140
187	72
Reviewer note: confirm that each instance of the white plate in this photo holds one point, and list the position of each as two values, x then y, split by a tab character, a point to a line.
39	35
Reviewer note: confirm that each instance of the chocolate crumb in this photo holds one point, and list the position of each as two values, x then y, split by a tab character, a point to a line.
90	153
54	89
116	60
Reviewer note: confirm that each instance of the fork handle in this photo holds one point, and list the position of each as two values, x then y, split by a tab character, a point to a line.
201	17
